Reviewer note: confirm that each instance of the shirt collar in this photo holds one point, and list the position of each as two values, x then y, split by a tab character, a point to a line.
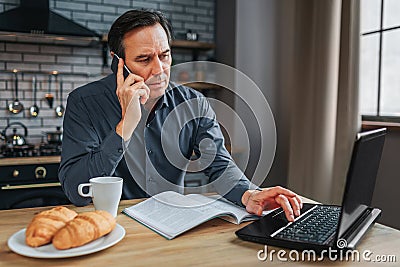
164	99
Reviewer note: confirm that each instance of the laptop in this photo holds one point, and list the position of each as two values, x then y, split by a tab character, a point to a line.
320	227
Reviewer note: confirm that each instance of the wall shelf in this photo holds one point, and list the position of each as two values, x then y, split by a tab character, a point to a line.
55	73
184	44
194	46
203	86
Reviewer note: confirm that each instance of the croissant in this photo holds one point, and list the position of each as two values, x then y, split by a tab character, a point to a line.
86	227
45	224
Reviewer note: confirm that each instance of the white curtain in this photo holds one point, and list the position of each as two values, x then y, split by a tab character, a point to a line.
318	69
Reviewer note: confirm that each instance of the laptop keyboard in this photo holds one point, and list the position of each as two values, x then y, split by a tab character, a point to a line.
316	226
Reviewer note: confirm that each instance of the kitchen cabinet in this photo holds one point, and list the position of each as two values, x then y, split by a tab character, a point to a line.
30	182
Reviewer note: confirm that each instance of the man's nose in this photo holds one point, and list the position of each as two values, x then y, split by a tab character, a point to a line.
157	67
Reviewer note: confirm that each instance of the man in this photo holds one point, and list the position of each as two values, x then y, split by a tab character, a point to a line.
108	120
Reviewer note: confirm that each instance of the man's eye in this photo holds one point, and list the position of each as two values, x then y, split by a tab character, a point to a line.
145	60
164	57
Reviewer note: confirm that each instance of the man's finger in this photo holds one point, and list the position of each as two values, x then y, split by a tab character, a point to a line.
254	209
133	78
295	205
139	94
141	86
143	94
299	201
284	202
120	75
146	88
276	191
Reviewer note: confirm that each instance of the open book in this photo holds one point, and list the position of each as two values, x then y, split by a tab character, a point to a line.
171	214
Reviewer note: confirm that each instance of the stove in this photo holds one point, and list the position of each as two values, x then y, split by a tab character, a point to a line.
49	149
28	150
18	151
29	176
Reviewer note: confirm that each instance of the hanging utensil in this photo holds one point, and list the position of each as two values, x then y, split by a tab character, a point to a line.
34	110
49	96
16	106
60	108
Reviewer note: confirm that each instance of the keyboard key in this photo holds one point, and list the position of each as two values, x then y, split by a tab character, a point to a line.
317	226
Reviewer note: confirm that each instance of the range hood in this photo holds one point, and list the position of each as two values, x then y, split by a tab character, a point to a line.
34	22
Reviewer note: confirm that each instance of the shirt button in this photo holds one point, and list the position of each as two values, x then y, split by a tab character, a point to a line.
148	125
120	150
149	151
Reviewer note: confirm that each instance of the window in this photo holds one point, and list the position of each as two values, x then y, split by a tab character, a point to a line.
380	60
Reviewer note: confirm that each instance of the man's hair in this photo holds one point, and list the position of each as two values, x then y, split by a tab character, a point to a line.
133	19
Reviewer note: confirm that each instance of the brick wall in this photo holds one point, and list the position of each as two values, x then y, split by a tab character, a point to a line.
98	15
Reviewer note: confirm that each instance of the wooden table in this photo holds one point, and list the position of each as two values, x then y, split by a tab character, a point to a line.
210	244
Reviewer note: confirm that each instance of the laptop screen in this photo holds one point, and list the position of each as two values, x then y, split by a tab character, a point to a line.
361	176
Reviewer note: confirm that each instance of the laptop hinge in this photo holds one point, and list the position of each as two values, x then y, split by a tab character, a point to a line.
361	226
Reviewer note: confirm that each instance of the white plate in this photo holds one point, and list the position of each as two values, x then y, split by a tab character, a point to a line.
17	244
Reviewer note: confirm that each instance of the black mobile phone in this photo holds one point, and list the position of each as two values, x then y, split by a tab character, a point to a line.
114	66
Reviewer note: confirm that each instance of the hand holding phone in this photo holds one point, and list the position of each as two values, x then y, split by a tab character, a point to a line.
131	91
114	66
134	78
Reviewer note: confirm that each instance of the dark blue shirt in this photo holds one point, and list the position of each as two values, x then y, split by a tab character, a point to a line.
179	134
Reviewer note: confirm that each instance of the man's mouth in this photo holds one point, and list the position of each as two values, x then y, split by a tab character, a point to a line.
158	83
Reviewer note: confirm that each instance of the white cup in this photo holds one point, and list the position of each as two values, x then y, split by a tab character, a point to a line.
105	193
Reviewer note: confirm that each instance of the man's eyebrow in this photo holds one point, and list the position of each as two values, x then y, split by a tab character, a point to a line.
142	56
149	55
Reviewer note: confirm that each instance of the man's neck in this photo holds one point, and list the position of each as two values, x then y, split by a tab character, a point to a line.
150	103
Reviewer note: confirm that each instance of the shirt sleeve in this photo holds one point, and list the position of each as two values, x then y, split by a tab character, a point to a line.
226	177
84	154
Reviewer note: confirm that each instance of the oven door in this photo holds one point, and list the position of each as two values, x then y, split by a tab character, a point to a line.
32	195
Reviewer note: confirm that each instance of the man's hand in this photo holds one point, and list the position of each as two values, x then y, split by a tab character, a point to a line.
270	198
131	92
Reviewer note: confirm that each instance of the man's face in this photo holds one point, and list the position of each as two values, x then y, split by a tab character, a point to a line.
147	54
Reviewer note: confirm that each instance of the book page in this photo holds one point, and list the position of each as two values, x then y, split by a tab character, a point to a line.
220	203
170	213
171	219
240	213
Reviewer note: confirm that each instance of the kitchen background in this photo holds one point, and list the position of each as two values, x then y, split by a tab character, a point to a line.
232	25
80	65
